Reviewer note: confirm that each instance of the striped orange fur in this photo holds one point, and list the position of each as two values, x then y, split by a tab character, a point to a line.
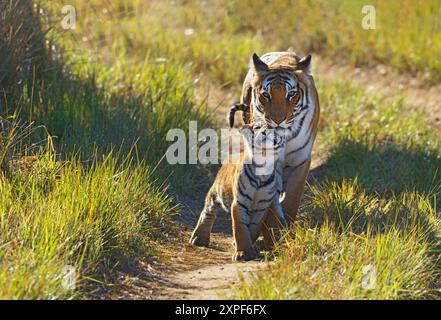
278	92
247	189
268	75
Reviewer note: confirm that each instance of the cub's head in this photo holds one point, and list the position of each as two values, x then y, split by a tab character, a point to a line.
279	89
261	137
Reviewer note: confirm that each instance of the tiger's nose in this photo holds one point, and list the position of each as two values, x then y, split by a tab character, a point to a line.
279	121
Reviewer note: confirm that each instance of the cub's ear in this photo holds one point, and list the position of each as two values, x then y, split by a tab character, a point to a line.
304	64
260	66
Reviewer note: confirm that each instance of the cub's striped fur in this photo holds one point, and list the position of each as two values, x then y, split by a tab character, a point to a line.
280	92
247	189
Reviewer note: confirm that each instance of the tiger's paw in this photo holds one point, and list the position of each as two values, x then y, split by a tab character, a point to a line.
247	255
199	241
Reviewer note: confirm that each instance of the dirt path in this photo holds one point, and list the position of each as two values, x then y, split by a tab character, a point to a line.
188	272
203	273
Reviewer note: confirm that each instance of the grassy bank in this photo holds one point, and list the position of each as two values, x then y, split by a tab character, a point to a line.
81	186
216	38
67	215
369	228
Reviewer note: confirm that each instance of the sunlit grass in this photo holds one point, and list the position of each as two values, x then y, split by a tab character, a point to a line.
127	74
321	263
376	207
218	37
98	194
56	214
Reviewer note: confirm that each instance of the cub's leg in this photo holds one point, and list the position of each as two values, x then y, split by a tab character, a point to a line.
241	233
256	225
201	234
271	229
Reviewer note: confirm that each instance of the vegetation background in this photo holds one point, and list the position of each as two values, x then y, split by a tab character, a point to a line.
84	113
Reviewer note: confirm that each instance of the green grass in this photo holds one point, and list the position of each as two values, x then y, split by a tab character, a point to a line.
376	206
218	38
411	42
87	188
320	263
108	91
65	214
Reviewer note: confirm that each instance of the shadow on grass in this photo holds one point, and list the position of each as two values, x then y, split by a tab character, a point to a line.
23	55
375	187
387	168
87	117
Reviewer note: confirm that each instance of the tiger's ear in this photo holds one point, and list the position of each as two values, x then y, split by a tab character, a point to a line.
304	64
260	66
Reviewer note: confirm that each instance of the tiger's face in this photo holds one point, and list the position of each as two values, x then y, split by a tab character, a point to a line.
277	93
278	100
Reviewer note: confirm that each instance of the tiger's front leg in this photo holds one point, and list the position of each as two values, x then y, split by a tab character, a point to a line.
294	187
244	250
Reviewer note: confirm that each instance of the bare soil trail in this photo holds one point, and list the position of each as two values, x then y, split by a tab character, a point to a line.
188	272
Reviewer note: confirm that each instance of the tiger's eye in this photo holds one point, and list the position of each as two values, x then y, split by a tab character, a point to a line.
266	95
291	94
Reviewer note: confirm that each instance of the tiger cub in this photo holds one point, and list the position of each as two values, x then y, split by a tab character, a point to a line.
247	189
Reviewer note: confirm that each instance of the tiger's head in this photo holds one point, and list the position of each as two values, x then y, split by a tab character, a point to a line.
279	89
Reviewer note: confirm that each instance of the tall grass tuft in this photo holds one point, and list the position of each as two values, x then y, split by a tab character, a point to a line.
97	194
62	214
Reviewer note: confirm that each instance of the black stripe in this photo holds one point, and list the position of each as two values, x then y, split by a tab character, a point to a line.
259	210
268	181
240	204
301	163
266	200
270	78
301	147
250	177
307	96
299	128
277	146
243	193
234	108
241	184
285	78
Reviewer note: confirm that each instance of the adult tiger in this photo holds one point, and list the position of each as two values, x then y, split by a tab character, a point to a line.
273	83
